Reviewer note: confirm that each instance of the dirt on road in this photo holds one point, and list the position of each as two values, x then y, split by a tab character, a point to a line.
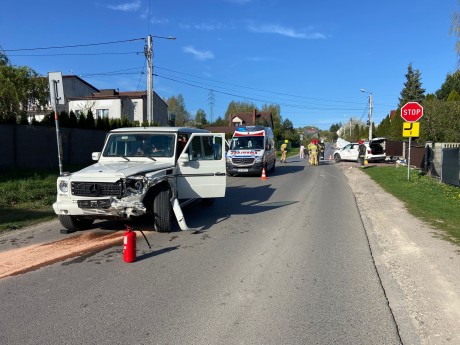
27	257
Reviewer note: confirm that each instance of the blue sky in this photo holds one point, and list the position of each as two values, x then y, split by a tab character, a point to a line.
310	57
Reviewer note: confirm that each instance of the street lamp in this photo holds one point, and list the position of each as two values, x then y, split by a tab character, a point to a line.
345	129
148	52
370	113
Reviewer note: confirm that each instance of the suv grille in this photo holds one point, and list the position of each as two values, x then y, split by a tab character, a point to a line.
97	189
243	161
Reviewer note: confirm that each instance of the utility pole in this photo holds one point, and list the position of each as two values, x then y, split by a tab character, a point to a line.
148	52
350	128
370	116
370	112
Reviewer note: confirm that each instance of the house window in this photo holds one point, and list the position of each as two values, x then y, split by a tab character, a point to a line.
100	113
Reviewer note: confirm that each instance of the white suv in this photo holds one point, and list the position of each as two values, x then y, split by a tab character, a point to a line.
144	170
375	151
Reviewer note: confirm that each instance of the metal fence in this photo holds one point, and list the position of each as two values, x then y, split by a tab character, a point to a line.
35	147
440	160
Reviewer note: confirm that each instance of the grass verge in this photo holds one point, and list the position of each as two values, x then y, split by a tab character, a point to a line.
26	197
434	202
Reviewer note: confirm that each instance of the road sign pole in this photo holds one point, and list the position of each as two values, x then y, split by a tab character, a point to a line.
408	160
57	97
56	120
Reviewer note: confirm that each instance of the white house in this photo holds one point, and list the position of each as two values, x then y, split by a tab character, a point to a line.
73	86
115	104
80	96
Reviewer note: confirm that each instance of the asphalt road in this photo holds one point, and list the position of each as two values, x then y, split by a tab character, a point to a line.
280	261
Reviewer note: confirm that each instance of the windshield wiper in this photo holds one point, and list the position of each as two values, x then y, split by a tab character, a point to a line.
115	155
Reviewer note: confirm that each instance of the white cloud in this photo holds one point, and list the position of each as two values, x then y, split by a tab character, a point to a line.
202	26
285	31
159	20
126	7
199	55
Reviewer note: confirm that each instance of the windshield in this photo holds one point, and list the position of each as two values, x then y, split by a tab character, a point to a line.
140	145
247	142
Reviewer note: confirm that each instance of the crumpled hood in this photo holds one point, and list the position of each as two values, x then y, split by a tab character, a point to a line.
112	171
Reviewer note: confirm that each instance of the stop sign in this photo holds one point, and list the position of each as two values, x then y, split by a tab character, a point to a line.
411	112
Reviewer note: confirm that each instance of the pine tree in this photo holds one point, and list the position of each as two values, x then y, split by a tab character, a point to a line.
413	91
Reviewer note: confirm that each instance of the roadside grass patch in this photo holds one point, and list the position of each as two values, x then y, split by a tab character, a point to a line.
26	197
426	198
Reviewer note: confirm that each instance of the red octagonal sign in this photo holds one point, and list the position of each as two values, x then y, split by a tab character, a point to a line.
411	112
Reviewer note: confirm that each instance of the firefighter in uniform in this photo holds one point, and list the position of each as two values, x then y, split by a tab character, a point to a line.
313	153
284	147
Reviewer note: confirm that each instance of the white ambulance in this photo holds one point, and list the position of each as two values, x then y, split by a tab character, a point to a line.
252	148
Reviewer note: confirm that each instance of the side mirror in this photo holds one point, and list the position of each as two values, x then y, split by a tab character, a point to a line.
184	159
95	156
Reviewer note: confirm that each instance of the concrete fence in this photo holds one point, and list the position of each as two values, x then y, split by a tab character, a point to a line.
35	147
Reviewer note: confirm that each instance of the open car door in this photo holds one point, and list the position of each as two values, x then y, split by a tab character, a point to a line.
201	171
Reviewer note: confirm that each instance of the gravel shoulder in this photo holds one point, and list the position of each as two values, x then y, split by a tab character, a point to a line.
420	271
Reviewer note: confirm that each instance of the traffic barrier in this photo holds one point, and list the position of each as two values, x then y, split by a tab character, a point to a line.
330	157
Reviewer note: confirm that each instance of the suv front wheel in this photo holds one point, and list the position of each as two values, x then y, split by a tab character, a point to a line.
337	158
161	209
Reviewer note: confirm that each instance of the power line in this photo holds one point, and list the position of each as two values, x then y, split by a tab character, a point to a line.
253	98
252	88
75	46
76	54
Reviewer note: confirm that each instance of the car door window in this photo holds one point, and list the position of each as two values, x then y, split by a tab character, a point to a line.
205	148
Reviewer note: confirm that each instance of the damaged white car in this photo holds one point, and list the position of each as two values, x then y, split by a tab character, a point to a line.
144	170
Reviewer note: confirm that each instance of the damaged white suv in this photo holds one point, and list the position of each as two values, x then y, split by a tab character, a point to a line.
144	170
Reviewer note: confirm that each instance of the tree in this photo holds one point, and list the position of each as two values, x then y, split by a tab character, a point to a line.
238	107
176	106
440	121
455	30
287	131
73	121
220	122
90	122
64	120
334	129
18	87
200	119
452	83
453	97
275	110
412	91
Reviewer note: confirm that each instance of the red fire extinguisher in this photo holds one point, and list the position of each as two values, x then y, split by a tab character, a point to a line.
129	245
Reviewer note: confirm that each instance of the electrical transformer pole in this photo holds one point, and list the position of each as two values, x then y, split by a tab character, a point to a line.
370	116
370	112
148	55
148	52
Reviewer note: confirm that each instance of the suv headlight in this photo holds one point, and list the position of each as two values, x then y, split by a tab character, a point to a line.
259	159
136	184
64	186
